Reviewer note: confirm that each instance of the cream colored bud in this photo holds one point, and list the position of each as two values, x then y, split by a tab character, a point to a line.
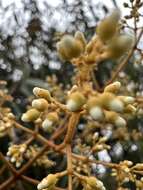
108	26
50	121
40	104
127	99
120	122
114	118
116	105
48	182
75	101
47	125
114	87
96	113
69	47
94	108
119	45
93	183
30	115
42	93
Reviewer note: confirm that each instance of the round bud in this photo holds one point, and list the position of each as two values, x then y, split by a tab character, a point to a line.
69	47
42	93
96	113
116	105
120	122
94	108
75	101
30	115
50	121
47	125
40	104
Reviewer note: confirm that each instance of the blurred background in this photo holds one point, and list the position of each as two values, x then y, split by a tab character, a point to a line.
29	31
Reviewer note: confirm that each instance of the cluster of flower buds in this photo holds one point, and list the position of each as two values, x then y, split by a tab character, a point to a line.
109	106
123	172
6	122
99	143
104	106
71	47
15	152
81	167
42	160
6	116
39	107
48	183
108	43
92	183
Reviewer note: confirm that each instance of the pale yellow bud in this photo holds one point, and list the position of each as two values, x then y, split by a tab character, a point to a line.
75	101
42	93
69	47
30	115
113	88
50	121
94	108
93	183
114	118
40	104
107	27
110	102
48	182
119	45
127	99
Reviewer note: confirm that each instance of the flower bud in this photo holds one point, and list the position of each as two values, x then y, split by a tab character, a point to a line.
48	183
40	104
114	118
113	88
110	102
69	47
30	115
119	46
130	109
42	93
127	99
79	36
93	183
120	122
94	109
50	120
107	27
75	101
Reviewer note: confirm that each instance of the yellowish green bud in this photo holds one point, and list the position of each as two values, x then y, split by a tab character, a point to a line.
119	45
70	47
30	115
108	26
